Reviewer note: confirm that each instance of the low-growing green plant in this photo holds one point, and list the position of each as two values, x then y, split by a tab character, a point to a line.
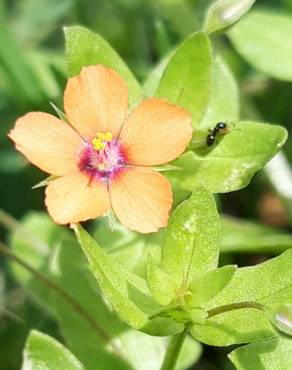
127	301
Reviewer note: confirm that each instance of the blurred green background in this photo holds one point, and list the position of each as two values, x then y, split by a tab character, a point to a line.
33	74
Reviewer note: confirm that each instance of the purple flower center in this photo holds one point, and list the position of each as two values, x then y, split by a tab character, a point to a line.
102	159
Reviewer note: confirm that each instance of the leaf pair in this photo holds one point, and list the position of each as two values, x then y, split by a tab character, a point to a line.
187	286
181	287
53	252
188	275
267	283
124	291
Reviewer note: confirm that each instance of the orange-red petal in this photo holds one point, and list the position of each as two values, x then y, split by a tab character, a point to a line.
96	101
75	198
141	199
156	132
47	142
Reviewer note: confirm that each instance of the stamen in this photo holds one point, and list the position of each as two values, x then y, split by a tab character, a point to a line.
102	158
101	140
108	136
98	144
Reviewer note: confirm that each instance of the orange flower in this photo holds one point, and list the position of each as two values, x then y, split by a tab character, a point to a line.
103	158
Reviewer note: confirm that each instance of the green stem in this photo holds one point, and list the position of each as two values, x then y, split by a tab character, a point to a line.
11	224
8	221
173	350
235	306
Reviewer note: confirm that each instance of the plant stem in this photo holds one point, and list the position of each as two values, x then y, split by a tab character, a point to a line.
63	293
11	224
173	350
8	221
235	306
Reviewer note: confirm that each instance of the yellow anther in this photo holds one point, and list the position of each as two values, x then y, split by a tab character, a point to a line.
108	136
98	144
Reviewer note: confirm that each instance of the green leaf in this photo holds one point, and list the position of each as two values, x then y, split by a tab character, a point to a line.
187	78
161	285
192	238
125	292
43	352
230	163
241	236
224	96
274	354
267	283
113	280
223	13
264	39
208	285
129	248
224	100
84	48
87	341
146	352
151	84
69	267
52	251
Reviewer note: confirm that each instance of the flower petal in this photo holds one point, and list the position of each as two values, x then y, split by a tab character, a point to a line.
74	198
96	101
141	199
155	133
47	142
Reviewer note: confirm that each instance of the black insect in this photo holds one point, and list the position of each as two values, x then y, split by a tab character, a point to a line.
220	128
210	139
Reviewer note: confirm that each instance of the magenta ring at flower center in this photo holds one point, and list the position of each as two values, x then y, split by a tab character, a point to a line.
102	164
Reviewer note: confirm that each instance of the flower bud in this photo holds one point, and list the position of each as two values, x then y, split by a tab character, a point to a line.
223	13
282	318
